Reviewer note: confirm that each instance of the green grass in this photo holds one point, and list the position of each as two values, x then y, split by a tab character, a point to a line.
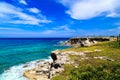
109	49
93	69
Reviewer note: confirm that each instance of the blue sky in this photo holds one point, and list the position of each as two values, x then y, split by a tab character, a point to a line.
59	18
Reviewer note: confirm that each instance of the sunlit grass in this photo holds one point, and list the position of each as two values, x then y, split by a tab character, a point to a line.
93	69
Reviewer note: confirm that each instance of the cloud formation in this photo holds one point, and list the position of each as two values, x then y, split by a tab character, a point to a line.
17	32
62	31
15	15
23	2
34	10
87	9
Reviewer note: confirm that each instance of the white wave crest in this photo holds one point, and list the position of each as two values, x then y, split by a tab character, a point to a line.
16	72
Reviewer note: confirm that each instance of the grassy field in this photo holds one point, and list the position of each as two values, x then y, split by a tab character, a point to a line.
90	68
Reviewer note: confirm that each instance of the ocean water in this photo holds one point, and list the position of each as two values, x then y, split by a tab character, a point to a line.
17	52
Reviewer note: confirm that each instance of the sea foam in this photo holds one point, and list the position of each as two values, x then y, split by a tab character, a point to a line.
16	72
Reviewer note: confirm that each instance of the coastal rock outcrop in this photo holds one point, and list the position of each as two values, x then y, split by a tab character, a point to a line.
48	69
81	42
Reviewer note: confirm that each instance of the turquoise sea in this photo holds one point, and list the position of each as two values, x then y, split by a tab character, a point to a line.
17	52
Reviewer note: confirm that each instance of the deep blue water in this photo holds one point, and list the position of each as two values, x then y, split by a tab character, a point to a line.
16	51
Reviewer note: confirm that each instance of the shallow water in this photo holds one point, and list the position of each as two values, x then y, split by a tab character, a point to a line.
15	53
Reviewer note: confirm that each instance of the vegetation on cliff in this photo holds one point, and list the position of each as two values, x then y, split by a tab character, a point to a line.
102	62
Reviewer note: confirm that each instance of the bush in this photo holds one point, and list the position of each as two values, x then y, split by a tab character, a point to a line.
92	73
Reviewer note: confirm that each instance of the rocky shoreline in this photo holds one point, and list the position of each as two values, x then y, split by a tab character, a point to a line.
44	70
53	67
50	68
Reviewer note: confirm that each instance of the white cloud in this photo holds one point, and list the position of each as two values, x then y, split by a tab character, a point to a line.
23	2
54	33
86	9
46	32
115	29
30	22
60	31
9	29
63	28
113	14
17	32
97	32
118	28
34	10
8	12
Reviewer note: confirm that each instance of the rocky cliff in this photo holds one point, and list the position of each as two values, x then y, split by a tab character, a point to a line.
77	42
